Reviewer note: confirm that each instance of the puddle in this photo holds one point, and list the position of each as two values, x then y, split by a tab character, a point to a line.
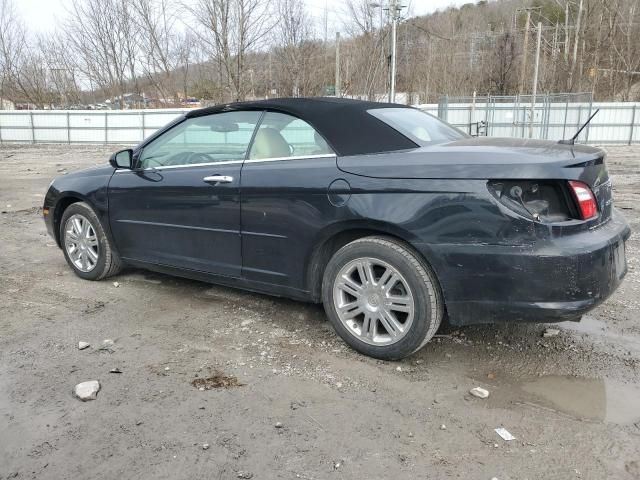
592	399
588	325
597	328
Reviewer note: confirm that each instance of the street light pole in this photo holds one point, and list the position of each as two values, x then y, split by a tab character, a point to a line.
394	8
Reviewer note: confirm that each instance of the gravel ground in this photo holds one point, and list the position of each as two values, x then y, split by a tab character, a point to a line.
220	383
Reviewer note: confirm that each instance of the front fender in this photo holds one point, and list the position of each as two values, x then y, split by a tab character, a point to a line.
90	187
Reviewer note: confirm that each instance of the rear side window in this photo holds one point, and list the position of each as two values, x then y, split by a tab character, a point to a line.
283	136
422	128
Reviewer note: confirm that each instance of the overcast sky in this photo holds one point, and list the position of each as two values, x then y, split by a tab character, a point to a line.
41	15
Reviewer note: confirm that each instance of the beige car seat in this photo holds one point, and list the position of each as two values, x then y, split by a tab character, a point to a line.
269	143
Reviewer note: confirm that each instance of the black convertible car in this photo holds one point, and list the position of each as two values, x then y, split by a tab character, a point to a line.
384	213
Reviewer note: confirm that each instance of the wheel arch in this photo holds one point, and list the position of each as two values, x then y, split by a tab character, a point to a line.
63	202
334	237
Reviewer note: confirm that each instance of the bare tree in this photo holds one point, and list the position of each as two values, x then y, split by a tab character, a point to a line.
230	49
12	45
502	64
292	42
164	45
103	39
366	53
626	15
24	74
65	86
228	30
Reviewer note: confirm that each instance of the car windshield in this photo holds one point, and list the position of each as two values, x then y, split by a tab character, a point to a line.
422	128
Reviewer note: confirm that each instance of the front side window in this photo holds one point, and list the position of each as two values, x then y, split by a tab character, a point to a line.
422	128
283	136
219	137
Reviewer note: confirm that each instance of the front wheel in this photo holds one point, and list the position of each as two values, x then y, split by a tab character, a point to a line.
381	298
86	247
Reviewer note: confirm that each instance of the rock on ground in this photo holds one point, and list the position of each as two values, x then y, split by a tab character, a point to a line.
87	390
479	392
550	332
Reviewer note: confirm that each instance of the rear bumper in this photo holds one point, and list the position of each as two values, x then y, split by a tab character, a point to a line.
552	280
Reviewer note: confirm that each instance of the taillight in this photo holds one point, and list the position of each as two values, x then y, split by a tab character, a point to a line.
583	196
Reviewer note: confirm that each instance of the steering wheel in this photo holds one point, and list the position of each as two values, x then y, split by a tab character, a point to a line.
196	157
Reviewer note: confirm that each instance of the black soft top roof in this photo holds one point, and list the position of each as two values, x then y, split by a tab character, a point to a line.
344	123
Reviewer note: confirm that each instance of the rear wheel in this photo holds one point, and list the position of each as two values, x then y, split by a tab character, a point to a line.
381	298
86	247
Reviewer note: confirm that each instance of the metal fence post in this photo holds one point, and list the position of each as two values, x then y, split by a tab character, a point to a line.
514	112
33	131
586	137
68	128
490	126
566	113
143	125
106	128
547	116
633	122
523	110
443	108
486	115
579	121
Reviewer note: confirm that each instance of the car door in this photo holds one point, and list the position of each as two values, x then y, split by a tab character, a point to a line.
285	183
180	206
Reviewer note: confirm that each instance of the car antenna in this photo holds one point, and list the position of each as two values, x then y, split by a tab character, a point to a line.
572	140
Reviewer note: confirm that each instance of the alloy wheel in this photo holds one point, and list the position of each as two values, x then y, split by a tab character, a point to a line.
81	243
373	301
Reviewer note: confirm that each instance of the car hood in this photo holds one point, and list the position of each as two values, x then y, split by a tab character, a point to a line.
96	171
479	158
81	181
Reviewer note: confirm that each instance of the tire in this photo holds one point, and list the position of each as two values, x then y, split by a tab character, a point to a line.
106	261
388	315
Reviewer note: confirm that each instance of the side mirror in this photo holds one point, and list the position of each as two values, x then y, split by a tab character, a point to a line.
122	159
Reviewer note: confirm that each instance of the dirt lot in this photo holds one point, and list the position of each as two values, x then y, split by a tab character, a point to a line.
270	388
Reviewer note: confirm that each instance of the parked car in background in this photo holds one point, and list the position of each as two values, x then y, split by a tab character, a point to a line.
388	216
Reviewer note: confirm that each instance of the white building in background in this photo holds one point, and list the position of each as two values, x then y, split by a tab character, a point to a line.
6	104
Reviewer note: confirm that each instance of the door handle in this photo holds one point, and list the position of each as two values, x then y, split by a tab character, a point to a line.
218	179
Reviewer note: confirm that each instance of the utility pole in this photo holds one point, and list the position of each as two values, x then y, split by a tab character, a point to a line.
574	59
535	80
394	26
566	32
337	85
525	48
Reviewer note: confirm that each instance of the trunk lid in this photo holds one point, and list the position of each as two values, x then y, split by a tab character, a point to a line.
487	158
